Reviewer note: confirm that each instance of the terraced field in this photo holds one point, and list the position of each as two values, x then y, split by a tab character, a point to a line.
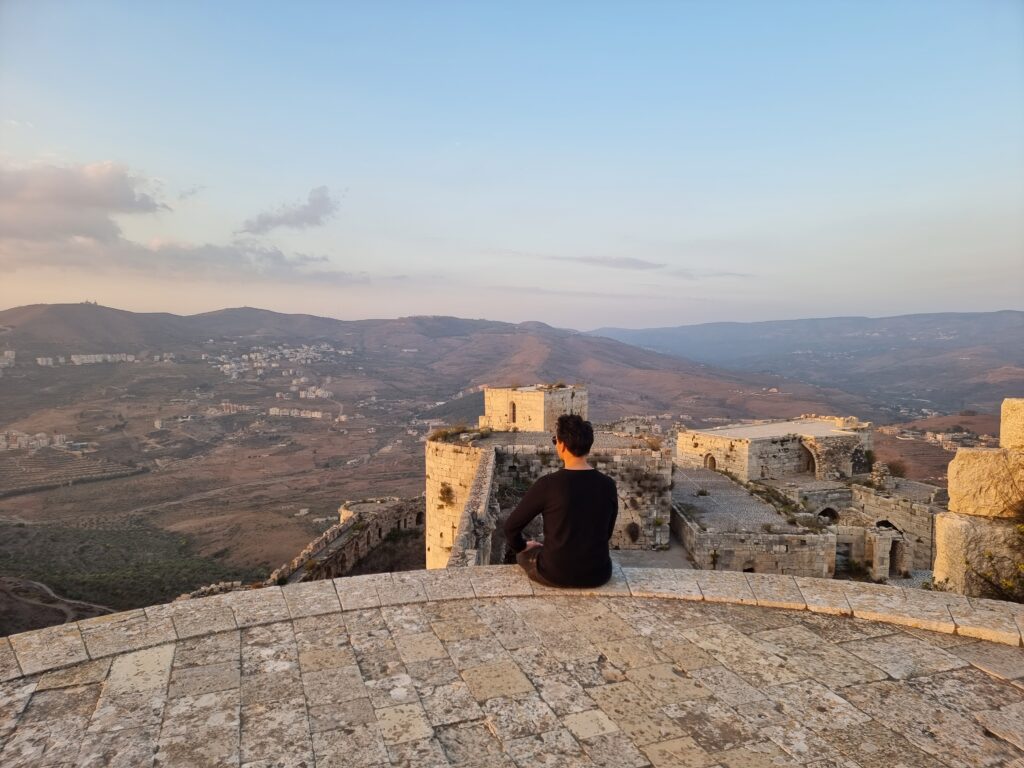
28	471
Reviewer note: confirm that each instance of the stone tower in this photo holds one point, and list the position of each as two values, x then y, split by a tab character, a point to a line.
986	504
531	409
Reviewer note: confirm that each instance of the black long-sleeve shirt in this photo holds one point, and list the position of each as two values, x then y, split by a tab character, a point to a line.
579	508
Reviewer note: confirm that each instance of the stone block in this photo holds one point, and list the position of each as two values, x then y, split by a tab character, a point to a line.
776	591
311	598
8	663
1011	426
49	648
994	626
963	541
986	482
258	606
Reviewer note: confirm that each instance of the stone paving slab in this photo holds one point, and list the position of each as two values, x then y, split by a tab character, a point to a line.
484	668
9	668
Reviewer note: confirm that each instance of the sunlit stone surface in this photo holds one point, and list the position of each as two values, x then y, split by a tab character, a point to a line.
473	667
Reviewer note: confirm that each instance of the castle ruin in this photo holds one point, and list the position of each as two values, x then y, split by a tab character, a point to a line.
531	409
823	447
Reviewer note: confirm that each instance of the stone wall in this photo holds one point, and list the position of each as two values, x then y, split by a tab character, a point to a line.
833	456
980	533
811	554
643	480
825	458
473	540
915	520
531	409
730	454
780	457
873	549
451	470
364	525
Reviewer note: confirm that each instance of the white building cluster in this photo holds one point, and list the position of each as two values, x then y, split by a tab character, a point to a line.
259	360
116	357
299	413
7	358
12	440
314	393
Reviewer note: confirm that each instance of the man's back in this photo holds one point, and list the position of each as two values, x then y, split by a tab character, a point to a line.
579	508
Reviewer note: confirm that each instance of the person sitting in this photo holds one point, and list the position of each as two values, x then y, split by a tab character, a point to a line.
579	505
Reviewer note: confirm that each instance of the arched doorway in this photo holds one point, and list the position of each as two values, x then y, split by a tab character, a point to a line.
807	463
897	554
709	462
512	413
828	514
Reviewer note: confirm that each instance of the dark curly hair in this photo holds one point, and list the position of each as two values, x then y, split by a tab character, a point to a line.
576	434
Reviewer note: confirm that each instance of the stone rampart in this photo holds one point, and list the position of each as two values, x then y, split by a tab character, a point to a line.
58	647
453	471
807	554
364	524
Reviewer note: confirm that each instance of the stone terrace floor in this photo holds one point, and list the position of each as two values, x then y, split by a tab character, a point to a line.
478	667
728	506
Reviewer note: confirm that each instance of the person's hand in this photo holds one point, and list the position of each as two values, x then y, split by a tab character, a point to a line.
531	544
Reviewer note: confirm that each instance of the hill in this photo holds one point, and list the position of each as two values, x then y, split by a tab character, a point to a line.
436	357
944	361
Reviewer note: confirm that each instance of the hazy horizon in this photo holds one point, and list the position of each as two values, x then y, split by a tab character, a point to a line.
583	167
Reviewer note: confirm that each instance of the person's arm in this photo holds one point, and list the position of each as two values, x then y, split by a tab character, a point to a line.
615	511
532	504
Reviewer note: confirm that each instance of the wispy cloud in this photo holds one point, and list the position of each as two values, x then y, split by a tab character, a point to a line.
701	274
612	262
9	123
192	191
317	209
44	202
529	289
55	216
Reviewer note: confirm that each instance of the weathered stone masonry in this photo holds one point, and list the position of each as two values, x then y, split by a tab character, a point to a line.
451	471
986	504
531	409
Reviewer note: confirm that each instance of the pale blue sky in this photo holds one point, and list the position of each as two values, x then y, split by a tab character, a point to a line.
577	163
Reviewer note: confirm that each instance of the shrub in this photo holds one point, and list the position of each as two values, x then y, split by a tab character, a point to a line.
898	468
447	495
702	492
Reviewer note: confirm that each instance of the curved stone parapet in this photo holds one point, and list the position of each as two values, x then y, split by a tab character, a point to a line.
64	645
477	666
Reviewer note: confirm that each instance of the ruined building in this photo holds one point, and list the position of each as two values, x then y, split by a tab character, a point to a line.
531	409
824	447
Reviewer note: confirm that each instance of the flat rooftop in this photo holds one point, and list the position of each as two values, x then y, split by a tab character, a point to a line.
478	667
603	441
811	427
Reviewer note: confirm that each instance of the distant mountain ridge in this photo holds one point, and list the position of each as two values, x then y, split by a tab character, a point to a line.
951	360
438	356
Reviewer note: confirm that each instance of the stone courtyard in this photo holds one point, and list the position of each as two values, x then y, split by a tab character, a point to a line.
724	506
479	667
